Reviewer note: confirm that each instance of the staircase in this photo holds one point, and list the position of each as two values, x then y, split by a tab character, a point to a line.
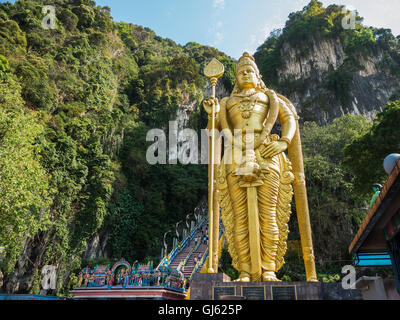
192	250
180	257
197	251
190	264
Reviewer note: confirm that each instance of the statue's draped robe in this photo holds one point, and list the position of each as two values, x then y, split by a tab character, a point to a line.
274	198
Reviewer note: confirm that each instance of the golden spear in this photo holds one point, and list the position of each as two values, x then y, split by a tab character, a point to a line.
213	71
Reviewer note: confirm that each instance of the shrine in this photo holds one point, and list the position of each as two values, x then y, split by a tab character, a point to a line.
170	280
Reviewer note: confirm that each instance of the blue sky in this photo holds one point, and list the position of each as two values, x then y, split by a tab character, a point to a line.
234	26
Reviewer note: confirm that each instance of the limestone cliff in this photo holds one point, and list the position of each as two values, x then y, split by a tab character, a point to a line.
369	89
328	71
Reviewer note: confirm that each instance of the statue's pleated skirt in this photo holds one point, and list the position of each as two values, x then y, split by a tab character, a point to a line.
267	195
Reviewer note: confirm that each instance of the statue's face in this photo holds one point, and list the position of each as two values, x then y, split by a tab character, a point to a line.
246	77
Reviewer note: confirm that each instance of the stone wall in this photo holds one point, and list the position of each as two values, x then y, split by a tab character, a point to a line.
207	286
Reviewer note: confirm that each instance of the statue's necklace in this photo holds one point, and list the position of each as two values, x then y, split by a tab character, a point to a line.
247	106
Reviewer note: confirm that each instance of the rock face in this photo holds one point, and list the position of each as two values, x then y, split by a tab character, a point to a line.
20	281
324	55
187	107
97	246
304	76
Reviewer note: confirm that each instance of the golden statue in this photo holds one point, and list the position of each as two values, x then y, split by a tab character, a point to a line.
254	181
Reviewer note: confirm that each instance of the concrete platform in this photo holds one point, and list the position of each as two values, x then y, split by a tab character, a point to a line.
218	286
129	293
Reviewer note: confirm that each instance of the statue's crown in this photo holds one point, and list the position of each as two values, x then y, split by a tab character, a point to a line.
247	59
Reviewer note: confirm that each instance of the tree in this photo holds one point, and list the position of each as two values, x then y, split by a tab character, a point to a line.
24	184
364	157
336	209
124	220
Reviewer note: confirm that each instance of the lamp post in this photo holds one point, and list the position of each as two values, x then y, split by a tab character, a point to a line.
176	230
190	226
165	244
196	215
187	218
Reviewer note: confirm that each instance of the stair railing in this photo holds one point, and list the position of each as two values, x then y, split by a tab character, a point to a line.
198	264
205	255
195	231
191	252
166	261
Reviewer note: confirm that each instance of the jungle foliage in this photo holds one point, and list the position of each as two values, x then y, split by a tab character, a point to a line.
336	209
76	103
365	155
342	161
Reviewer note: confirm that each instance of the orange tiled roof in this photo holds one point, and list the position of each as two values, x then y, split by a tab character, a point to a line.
389	182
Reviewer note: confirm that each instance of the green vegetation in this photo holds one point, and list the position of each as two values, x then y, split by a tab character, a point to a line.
24	186
225	264
337	210
365	155
76	103
339	80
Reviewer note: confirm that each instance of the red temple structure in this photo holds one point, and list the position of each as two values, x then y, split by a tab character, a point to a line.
168	281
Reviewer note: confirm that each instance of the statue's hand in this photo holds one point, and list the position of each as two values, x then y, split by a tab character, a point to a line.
208	105
273	148
271	92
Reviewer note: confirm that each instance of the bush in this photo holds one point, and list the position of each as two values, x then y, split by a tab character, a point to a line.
86	16
4	66
12	39
360	40
68	19
364	156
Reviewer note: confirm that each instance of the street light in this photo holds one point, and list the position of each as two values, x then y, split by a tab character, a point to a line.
165	243
197	214
176	229
187	218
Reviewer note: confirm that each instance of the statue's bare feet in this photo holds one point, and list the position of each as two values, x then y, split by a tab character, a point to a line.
243	277
269	276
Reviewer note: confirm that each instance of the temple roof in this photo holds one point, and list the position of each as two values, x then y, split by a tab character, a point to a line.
370	237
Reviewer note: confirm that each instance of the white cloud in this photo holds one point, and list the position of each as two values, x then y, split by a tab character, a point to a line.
218	37
219	4
253	39
215	30
256	39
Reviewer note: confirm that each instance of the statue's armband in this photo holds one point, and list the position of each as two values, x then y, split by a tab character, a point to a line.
287	118
224	126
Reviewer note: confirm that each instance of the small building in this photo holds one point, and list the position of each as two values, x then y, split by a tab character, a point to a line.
122	281
377	242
